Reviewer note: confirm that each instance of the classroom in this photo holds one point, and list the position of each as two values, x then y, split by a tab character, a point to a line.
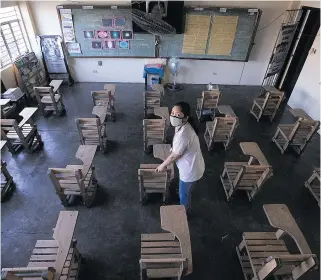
160	140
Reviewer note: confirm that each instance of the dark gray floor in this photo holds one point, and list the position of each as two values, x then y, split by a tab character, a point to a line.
109	233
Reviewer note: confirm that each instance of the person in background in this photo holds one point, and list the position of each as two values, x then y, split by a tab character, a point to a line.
186	152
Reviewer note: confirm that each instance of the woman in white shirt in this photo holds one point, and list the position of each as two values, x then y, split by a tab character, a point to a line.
186	152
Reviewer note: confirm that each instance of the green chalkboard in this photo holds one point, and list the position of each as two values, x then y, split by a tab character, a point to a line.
95	19
248	20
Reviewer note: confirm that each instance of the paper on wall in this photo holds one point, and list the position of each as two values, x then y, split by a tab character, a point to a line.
222	35
196	33
67	25
73	48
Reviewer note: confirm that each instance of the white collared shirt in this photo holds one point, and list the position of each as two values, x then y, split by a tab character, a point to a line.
191	164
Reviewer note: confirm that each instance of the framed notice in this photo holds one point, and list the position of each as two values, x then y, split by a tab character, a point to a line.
54	59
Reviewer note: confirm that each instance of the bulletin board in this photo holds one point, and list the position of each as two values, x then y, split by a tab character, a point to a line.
102	31
214	33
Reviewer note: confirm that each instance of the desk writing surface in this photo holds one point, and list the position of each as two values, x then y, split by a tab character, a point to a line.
4	101
100	112
299	113
226	110
86	154
252	149
27	113
280	217
163	113
3	143
174	220
162	151
55	84
63	234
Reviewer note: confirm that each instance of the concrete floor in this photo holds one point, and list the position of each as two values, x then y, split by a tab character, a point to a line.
109	233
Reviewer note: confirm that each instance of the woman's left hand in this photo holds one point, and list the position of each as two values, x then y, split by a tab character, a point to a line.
160	168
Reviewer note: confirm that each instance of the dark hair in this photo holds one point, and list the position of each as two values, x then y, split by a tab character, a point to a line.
186	109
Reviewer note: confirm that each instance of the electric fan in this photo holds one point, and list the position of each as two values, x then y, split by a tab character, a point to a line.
174	66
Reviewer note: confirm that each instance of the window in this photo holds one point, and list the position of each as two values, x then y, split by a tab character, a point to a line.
13	41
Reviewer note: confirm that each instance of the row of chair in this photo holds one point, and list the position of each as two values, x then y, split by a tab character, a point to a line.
93	131
168	254
222	129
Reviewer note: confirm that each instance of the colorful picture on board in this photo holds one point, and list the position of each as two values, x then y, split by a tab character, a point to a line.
124	44
107	22
96	44
127	34
102	34
115	34
120	22
89	34
110	44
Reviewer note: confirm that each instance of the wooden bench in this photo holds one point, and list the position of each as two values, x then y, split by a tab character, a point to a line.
25	134
267	103
246	176
7	183
153	182
53	259
208	102
221	130
105	98
152	100
76	180
154	132
167	254
264	254
313	184
92	132
49	101
295	135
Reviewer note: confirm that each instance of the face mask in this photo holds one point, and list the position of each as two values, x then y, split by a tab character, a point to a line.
175	121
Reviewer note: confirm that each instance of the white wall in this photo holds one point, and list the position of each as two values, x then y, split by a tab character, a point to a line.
306	93
193	71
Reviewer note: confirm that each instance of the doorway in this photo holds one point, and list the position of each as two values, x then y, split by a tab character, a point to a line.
284	68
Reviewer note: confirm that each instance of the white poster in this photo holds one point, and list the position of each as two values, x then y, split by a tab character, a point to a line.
53	55
73	48
67	25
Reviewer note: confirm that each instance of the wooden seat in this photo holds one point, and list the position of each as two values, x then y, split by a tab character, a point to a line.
154	132
246	176
25	134
296	135
105	98
49	101
72	181
53	259
208	102
26	273
167	254
264	254
267	103
222	130
152	99
153	182
313	184
161	255
92	132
